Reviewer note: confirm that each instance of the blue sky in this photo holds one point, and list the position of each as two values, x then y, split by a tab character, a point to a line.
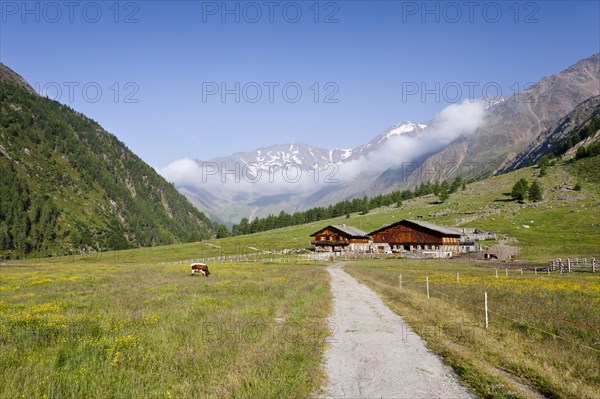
361	67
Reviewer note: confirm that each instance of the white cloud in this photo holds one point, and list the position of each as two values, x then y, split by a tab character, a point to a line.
181	172
449	124
240	178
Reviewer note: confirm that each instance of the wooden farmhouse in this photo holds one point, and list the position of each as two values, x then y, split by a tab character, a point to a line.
411	235
336	238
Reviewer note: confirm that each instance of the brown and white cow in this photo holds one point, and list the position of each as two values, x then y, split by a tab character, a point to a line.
200	267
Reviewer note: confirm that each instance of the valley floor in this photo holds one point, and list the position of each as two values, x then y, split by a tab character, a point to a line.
123	326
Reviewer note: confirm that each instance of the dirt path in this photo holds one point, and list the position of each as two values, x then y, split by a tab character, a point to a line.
374	354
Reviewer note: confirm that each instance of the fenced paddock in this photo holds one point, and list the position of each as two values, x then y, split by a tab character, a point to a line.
571	265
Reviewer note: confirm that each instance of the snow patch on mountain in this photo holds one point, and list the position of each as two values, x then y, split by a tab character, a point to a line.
407	127
346	154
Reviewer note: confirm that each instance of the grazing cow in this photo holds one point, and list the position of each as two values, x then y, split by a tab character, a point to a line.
200	267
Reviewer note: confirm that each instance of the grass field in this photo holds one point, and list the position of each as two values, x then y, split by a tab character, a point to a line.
544	331
124	330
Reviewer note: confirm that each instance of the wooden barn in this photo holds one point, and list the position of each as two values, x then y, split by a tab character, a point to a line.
412	235
336	238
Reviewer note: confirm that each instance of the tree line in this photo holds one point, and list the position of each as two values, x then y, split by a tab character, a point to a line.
577	135
361	205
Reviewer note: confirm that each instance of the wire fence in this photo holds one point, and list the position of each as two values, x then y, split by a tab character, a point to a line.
430	287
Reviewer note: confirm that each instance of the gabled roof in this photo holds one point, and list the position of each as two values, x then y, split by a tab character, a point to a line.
349	230
427	225
435	227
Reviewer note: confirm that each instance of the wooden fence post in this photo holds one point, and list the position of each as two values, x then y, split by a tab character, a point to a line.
427	283
457	278
569	265
400	280
486	310
496	273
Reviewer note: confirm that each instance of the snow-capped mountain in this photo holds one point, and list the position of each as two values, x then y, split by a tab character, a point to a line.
269	159
306	156
269	179
406	129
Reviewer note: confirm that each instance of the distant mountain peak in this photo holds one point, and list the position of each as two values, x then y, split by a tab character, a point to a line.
306	156
270	159
407	128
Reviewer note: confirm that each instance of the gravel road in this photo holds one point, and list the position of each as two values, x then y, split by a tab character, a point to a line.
374	354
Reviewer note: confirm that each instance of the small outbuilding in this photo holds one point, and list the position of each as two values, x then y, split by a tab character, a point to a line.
341	238
413	235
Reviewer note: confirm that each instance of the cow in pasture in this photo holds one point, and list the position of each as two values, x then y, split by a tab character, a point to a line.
201	268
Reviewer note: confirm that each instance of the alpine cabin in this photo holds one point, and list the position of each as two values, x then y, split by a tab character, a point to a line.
336	238
412	235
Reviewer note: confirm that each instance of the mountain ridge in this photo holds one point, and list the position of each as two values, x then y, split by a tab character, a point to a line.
323	155
511	126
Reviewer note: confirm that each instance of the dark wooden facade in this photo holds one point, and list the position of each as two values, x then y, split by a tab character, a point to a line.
340	238
409	234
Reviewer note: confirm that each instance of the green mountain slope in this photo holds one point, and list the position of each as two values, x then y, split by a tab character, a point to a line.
68	186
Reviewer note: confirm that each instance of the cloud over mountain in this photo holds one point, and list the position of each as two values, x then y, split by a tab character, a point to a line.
452	122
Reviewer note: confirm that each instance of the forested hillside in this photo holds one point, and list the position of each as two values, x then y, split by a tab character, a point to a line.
69	186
